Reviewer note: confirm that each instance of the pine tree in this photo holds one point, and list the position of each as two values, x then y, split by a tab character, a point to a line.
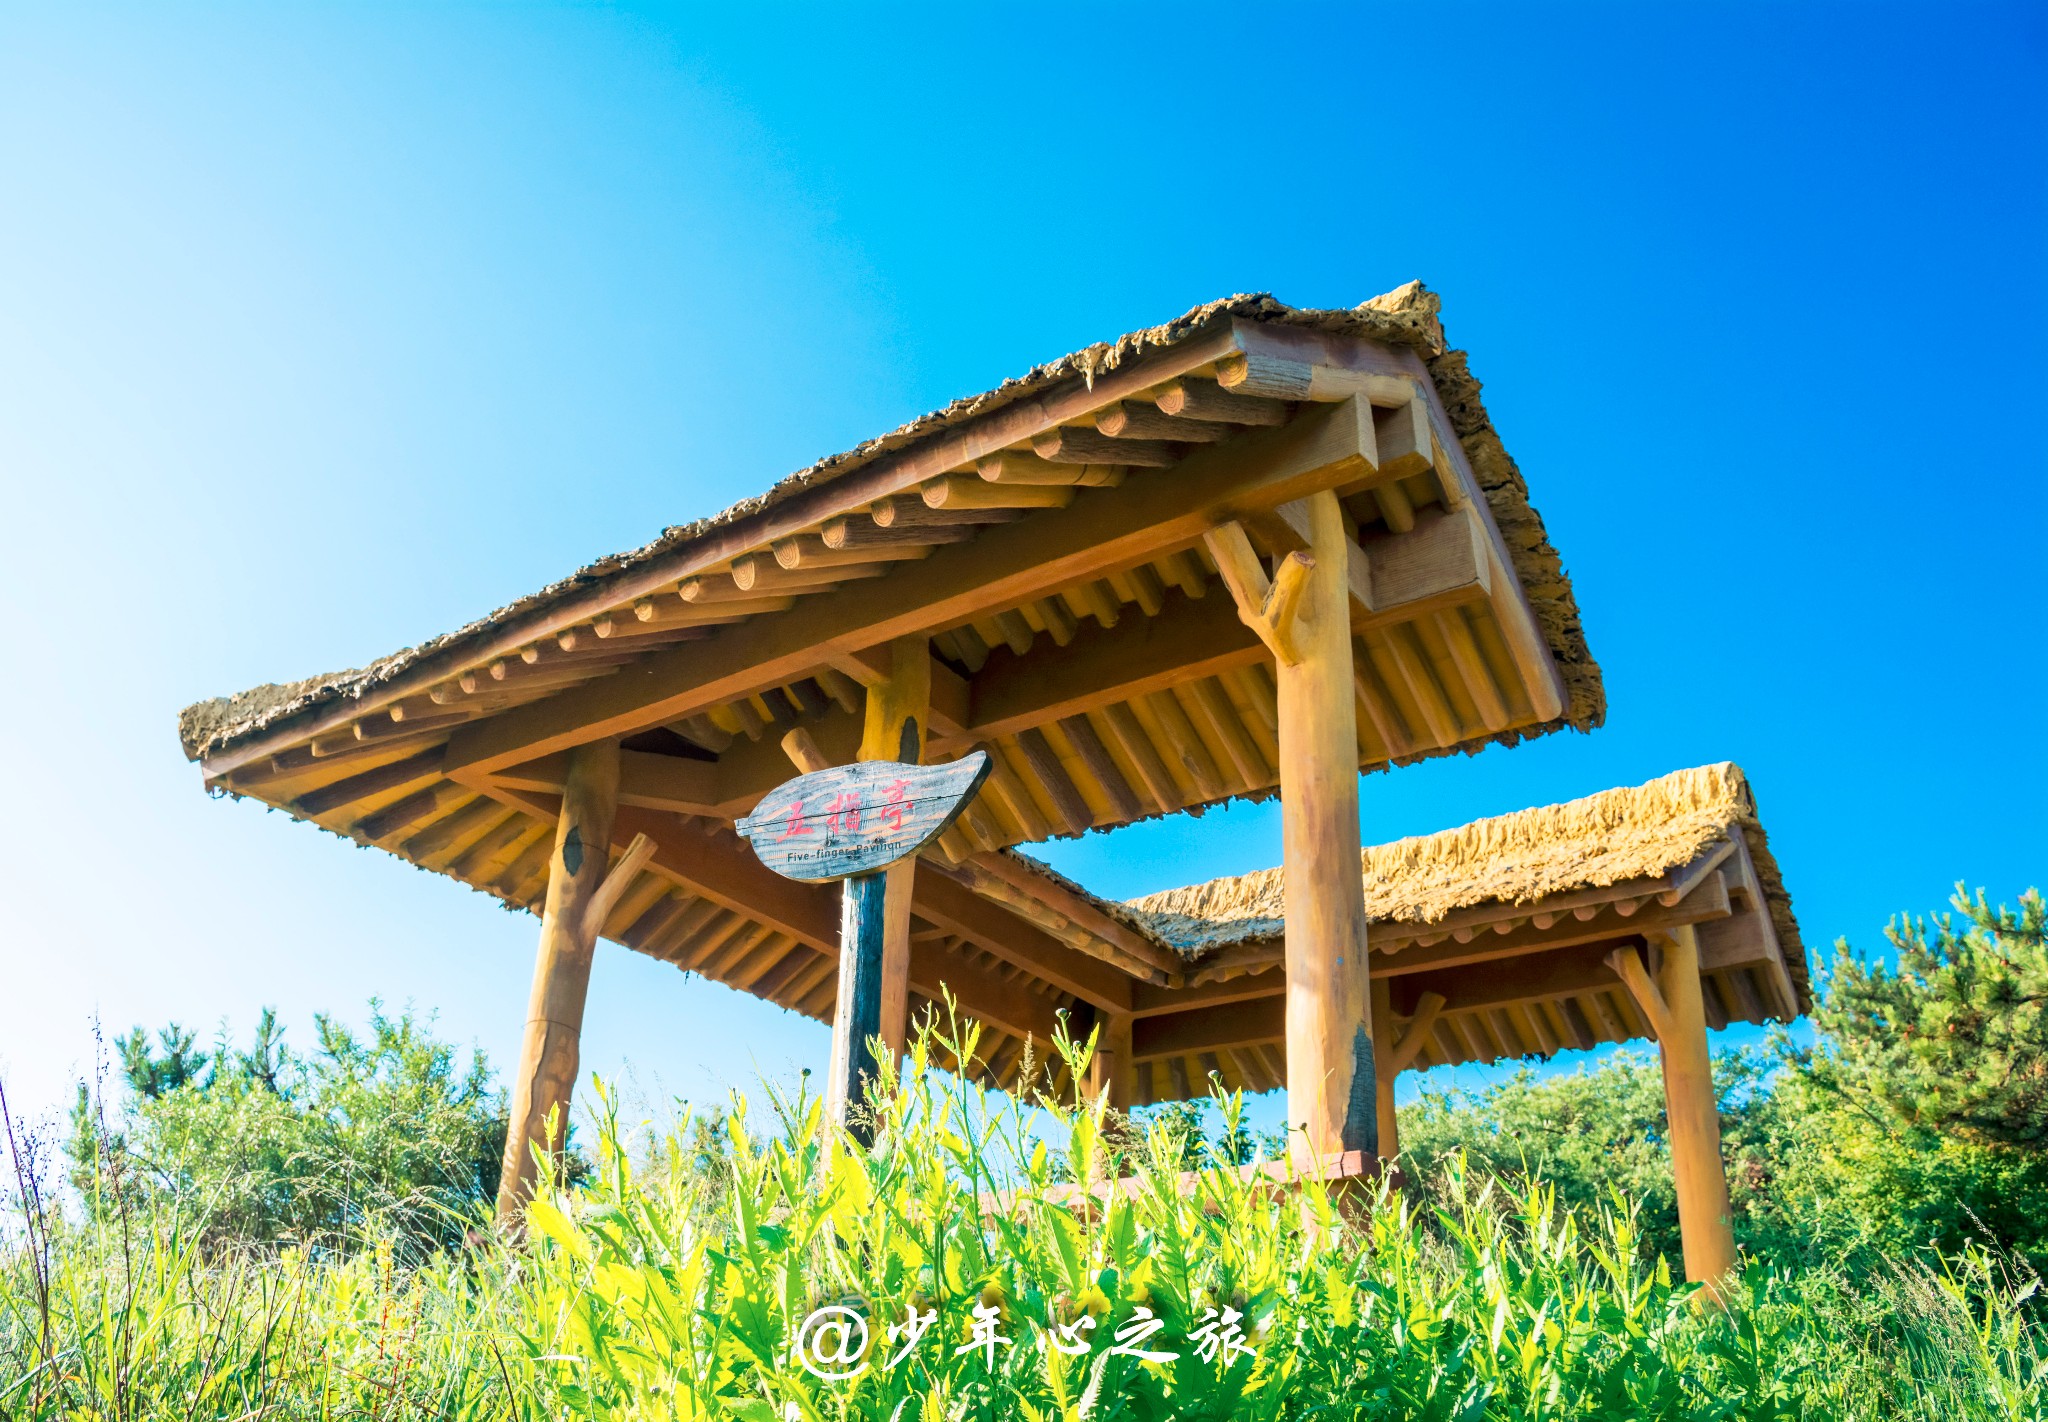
153	1076
1954	1041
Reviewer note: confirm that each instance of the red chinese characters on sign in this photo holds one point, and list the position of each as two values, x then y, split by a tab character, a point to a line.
843	814
849	820
891	813
795	822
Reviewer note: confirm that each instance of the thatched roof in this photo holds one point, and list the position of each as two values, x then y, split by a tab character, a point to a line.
1407	316
1634	832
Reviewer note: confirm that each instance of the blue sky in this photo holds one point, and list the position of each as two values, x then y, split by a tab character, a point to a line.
325	329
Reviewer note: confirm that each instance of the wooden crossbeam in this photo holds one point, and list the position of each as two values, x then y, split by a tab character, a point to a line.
1088	917
1081	735
1131	419
1101	667
948	904
1220	1027
1192	398
870	666
654	782
390	776
1559	973
1112	528
1705	904
1208	1029
1011	467
1075	816
1069	445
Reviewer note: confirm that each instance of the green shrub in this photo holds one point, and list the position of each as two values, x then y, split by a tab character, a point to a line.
1598	1131
1923	1110
270	1146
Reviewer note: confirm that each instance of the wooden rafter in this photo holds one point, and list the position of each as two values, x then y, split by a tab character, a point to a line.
1004	566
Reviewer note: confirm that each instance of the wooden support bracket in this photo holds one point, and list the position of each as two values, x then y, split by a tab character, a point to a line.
1416	1037
1282	601
617	880
1629	968
1266	605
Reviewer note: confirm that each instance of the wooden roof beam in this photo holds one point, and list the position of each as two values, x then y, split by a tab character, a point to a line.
646	780
1193	398
1075	445
1573	972
1130	419
1113	528
870	666
1012	468
1209	1029
1707	902
408	770
1151	1001
1750	933
1330	368
809	553
1004	877
1669	890
1102	667
947	903
858	534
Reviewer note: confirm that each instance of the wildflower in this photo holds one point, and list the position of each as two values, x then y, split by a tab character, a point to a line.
992	1296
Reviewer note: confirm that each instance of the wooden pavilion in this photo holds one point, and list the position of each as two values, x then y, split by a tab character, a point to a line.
1250	552
1651	912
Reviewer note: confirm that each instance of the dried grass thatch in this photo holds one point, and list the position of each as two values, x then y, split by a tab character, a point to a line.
1635	832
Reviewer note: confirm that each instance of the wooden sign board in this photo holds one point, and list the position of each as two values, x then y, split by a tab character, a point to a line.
857	819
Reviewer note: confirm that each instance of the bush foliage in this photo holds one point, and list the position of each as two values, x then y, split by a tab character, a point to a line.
268	1146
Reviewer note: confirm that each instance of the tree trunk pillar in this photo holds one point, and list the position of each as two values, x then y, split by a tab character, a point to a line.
548	1054
1331	1082
898	708
1693	1117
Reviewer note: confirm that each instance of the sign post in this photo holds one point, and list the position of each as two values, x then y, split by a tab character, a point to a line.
850	823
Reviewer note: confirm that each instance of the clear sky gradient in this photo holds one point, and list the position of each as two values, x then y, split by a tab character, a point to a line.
324	330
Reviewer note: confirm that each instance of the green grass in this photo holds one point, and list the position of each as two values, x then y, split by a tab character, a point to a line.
672	1286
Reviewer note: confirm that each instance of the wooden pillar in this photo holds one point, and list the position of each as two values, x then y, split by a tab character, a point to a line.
1331	1082
857	1018
1304	615
898	707
1112	1069
1385	1067
1694	1117
1673	1003
561	973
